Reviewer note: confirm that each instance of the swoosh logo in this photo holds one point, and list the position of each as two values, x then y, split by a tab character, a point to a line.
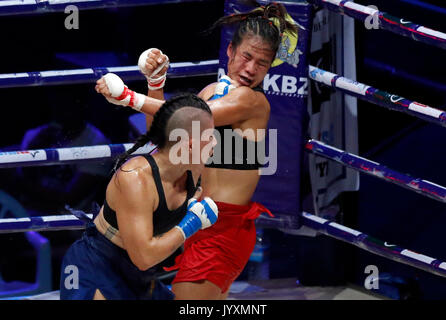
402	21
392	98
389	245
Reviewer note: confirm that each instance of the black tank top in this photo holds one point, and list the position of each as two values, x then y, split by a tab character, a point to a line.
248	159
163	218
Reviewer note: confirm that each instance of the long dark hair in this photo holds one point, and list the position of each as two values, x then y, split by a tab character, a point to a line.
257	22
157	133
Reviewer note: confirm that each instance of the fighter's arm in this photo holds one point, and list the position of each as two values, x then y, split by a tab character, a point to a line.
155	94
238	105
130	195
146	105
149	62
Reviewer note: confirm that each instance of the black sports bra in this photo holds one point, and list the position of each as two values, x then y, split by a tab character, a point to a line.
248	159
163	218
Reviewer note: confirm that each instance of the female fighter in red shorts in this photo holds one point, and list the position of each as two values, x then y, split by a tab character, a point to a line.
215	257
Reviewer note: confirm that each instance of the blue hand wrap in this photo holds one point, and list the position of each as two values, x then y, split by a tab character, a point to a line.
190	223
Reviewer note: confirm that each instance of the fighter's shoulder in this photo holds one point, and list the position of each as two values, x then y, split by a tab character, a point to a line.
207	92
133	183
253	97
135	173
257	91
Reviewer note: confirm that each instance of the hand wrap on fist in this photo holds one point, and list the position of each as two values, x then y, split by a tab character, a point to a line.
223	87
154	80
121	95
200	215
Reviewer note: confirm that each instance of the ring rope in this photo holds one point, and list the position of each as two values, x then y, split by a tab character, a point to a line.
386	21
377	96
376	246
323	226
42	223
57	156
184	69
375	169
57	77
419	81
18	7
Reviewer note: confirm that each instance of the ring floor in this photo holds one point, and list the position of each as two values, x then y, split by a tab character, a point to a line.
273	289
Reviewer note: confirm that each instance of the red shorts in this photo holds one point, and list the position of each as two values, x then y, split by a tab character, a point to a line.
219	253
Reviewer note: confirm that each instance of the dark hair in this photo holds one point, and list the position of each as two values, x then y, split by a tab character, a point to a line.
257	22
157	133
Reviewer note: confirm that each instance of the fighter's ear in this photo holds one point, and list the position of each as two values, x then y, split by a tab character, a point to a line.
230	50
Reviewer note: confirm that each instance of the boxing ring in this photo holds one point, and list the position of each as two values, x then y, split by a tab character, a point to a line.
393	102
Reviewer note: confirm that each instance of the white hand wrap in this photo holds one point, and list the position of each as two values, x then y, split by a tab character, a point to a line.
223	87
152	82
121	95
211	213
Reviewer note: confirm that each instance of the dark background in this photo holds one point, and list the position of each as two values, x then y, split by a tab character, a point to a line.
116	37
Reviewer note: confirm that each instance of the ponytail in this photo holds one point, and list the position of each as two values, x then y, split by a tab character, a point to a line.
140	141
269	22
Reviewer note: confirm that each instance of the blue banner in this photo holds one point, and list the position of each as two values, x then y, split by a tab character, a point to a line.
286	89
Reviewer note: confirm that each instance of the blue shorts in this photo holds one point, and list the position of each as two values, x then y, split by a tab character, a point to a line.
94	262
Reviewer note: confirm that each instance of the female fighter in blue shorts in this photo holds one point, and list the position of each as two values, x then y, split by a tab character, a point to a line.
215	257
149	210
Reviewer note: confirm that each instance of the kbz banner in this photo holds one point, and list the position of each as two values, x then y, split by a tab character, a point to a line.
286	88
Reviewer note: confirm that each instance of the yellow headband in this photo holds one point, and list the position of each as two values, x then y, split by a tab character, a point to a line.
288	40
